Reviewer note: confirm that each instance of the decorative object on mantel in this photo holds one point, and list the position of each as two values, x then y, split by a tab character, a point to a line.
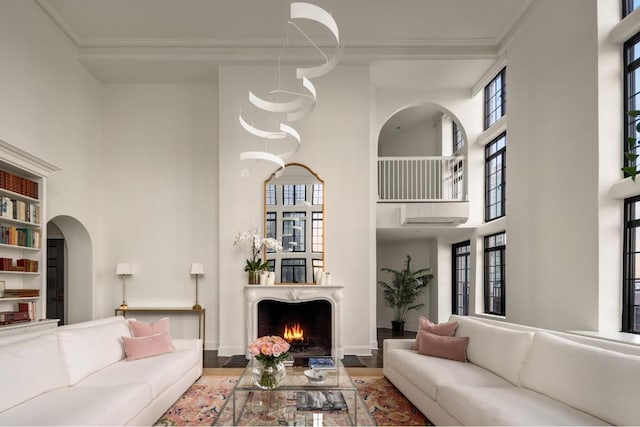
323	278
197	270
294	103
269	354
123	270
255	264
403	291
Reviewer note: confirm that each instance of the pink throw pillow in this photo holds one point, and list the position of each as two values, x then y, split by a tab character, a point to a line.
442	329
454	348
152	345
142	329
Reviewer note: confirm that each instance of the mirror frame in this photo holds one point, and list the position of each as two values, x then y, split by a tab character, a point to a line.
321	181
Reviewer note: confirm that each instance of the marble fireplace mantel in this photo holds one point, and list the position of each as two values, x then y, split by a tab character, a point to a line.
295	294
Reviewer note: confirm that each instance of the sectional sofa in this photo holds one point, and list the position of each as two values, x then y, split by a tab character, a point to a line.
517	375
78	375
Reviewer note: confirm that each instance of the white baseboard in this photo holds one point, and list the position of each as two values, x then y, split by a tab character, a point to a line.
230	351
358	351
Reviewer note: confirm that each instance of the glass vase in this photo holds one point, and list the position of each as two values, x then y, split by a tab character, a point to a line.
268	375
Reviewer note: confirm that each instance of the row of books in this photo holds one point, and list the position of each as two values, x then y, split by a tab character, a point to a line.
15	236
20	210
23	264
21	293
17	184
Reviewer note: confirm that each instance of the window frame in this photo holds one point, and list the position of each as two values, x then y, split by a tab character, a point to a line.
630	92
284	265
629	268
489	96
458	138
488	250
489	157
627	7
455	283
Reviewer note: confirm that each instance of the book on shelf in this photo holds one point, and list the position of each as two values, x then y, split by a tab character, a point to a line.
21	293
315	400
321	363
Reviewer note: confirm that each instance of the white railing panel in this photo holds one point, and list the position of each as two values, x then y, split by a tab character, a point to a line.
421	179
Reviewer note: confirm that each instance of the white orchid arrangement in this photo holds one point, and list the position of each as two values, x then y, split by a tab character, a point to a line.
257	244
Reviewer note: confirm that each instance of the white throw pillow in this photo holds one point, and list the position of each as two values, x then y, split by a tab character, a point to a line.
86	350
29	368
500	350
603	383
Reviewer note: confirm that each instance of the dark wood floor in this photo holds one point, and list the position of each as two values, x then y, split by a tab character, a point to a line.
211	359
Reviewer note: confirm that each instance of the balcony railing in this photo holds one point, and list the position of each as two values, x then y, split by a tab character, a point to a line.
421	179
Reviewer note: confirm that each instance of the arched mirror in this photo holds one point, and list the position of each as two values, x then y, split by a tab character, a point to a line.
294	215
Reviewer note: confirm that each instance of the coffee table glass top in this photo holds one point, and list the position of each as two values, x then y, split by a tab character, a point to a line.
249	405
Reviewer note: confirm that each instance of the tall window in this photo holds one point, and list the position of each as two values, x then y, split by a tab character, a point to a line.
458	138
494	273
293	232
629	6
316	194
460	277
294	270
270	227
495	99
270	195
317	233
631	266
293	193
632	92
495	170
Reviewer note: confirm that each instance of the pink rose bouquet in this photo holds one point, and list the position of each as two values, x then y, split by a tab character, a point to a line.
270	351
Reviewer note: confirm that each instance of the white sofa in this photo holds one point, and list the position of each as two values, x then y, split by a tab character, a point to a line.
78	375
518	375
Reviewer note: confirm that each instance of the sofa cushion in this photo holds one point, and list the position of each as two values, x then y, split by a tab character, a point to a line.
454	348
143	329
601	382
508	406
158	372
429	373
152	345
86	406
499	350
442	329
29	368
86	350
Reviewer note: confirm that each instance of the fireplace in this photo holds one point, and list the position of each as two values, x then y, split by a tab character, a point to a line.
269	309
305	325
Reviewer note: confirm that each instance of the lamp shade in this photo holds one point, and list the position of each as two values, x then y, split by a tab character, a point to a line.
123	268
197	268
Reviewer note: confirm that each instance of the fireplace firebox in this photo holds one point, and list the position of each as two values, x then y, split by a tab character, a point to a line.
305	325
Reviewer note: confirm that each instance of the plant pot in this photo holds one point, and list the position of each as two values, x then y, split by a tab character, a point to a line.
397	328
254	277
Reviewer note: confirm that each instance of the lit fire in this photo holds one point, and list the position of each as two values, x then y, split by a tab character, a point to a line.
293	333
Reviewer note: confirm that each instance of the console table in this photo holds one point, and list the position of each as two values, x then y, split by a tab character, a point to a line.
200	313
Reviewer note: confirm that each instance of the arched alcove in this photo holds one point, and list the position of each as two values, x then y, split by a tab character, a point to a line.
424	129
78	281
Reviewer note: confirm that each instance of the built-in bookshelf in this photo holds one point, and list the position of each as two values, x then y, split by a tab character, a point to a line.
22	235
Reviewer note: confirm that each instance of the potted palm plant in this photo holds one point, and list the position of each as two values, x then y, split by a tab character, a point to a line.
403	291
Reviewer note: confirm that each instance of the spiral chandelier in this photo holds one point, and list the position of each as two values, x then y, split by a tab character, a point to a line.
299	101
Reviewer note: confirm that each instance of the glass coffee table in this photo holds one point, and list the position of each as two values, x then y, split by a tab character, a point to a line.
249	405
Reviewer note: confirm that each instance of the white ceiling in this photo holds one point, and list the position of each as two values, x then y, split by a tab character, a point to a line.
185	40
410	44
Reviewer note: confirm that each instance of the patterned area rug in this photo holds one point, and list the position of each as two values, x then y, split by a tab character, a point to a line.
201	404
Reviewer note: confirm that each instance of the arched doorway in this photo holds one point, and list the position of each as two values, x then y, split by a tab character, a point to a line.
69	266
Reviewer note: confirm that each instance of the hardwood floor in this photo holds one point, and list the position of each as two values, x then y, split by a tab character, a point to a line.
211	359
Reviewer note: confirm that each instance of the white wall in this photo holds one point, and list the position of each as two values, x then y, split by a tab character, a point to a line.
552	163
335	144
52	108
160	209
422	140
